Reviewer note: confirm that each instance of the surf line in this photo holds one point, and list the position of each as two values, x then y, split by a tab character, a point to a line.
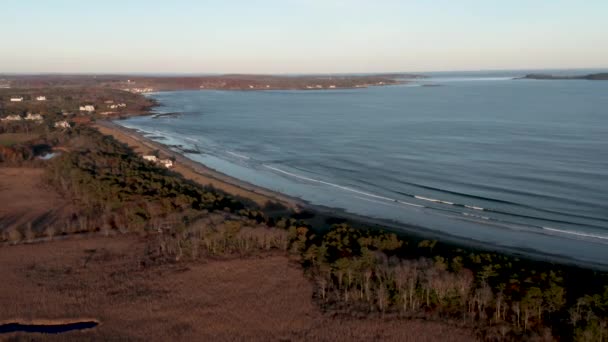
576	233
238	155
345	188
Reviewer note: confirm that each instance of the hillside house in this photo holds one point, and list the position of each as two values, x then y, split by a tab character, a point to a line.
87	108
117	105
151	158
62	124
168	163
34	117
16	99
41	98
12	118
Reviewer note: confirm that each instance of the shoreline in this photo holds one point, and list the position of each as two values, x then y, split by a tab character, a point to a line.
198	172
203	175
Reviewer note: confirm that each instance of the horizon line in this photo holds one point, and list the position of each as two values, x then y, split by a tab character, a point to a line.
168	73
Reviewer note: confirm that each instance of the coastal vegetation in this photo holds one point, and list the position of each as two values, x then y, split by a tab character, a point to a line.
356	271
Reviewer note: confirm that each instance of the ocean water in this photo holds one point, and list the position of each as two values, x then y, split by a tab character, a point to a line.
521	164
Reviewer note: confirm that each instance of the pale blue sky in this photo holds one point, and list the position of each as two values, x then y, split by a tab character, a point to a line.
298	36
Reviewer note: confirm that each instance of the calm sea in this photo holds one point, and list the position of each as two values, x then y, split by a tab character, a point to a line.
517	163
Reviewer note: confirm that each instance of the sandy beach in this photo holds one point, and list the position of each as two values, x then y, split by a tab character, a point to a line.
197	172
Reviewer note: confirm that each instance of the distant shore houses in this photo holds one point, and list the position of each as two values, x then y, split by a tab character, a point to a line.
28	117
139	90
117	105
87	108
41	98
12	118
33	117
17	99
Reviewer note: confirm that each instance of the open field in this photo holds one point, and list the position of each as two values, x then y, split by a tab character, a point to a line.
9	139
27	200
112	281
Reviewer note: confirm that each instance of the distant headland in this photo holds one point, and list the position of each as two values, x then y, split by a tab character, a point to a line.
149	83
591	77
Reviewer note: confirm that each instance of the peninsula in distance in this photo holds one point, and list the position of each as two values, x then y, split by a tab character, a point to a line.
591	77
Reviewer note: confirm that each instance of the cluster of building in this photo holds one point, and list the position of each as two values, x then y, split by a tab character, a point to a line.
139	90
319	86
255	87
168	163
35	118
28	117
20	98
117	105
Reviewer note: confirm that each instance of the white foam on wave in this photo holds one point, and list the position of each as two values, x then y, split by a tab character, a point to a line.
433	200
474	207
238	155
345	188
191	139
477	216
596	236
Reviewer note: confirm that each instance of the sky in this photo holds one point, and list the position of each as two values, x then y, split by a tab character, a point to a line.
299	36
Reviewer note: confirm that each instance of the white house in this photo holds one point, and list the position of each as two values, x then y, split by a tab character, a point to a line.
168	163
87	108
332	86
16	99
151	158
12	118
41	98
62	124
34	117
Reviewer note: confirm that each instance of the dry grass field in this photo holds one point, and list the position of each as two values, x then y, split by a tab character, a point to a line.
109	280
9	139
27	201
